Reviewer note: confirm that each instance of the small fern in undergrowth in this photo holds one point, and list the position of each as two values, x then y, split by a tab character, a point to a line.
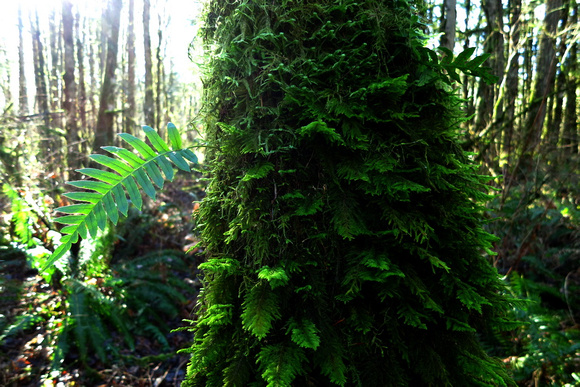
137	297
152	296
107	192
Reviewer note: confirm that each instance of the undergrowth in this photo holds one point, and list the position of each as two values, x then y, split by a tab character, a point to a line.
538	222
111	305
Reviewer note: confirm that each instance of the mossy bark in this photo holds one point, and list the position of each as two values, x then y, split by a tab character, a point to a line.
343	222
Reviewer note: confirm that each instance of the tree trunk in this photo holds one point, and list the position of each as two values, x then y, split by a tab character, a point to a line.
94	75
512	78
149	104
160	97
449	23
570	127
487	110
131	58
343	240
543	84
106	115
70	89
47	144
5	84
22	89
82	91
56	69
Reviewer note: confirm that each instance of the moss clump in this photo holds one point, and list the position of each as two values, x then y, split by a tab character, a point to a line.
342	222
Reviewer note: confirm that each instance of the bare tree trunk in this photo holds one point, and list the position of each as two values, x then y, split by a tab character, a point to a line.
82	92
22	90
512	79
448	24
160	78
55	67
555	113
543	85
148	107
70	88
570	127
6	82
106	115
528	53
487	110
131	59
47	145
39	72
94	74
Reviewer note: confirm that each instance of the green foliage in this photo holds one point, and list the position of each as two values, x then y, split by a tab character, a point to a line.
462	63
133	301
102	301
539	224
260	310
546	345
280	365
22	216
110	189
343	222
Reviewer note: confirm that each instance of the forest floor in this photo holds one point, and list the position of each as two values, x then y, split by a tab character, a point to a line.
27	352
25	359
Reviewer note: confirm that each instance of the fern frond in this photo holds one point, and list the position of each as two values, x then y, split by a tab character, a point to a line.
129	173
260	310
304	333
280	364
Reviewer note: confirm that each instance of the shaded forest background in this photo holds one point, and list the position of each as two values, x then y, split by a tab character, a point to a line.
73	74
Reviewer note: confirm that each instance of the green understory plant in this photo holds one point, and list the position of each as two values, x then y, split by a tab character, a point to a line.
546	350
110	192
342	224
538	222
132	298
105	303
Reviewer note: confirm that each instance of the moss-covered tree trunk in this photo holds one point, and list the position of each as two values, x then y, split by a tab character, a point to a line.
342	223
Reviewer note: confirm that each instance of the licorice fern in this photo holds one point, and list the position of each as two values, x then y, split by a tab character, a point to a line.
131	171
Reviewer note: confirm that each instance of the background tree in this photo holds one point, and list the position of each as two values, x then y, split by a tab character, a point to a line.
106	117
22	88
543	84
47	143
448	24
131	63
70	87
149	103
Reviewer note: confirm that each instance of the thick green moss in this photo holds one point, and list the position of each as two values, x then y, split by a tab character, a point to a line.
342	223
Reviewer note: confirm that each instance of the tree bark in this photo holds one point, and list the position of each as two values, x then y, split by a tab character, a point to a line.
106	115
47	144
487	109
149	104
159	95
55	67
22	89
570	127
512	78
449	22
131	59
82	91
543	84
39	72
69	103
